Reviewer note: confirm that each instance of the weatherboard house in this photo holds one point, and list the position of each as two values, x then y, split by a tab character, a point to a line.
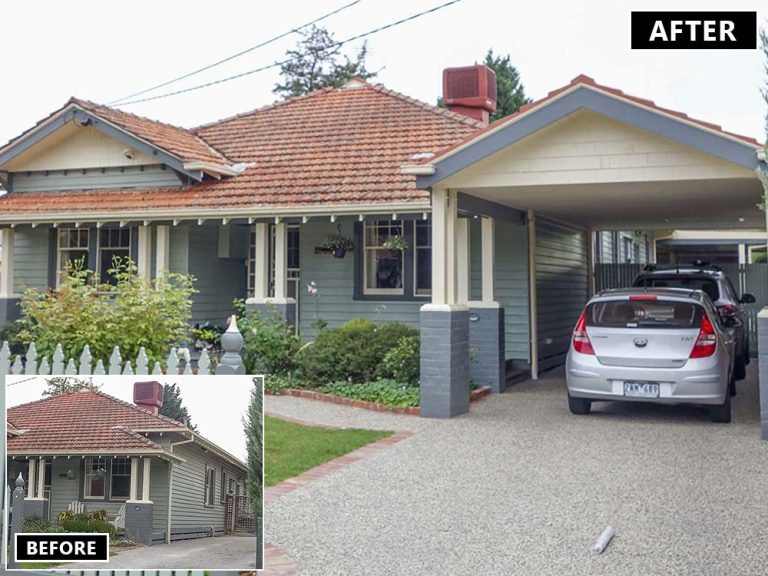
154	476
498	220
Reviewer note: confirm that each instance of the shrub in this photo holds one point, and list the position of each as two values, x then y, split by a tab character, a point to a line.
388	392
82	523
270	344
10	332
353	352
35	523
402	362
134	313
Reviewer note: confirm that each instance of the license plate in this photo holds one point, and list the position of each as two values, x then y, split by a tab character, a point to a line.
641	389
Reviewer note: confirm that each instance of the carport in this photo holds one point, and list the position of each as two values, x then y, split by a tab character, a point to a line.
586	157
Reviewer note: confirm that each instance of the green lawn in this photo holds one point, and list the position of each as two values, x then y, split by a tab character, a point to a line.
290	449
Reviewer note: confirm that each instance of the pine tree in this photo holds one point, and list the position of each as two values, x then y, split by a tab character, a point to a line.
317	62
66	384
173	407
254	441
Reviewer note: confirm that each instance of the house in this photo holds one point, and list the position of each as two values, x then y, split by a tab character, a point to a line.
499	220
168	481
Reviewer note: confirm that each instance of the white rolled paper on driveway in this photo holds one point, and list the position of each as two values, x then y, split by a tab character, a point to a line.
604	539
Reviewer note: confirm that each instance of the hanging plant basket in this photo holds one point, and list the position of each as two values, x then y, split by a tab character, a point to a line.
338	244
395	243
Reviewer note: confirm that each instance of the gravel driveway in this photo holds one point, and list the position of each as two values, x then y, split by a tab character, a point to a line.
520	486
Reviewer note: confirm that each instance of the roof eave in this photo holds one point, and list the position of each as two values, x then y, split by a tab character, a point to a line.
89	452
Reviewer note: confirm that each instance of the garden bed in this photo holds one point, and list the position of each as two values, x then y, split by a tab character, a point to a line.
474	395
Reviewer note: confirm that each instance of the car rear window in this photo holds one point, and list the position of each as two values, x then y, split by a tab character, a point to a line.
644	314
706	285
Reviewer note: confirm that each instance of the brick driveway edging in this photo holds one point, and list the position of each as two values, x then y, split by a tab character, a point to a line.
474	395
276	561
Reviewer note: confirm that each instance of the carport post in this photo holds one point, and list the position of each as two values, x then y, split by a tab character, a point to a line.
762	360
591	262
532	306
444	383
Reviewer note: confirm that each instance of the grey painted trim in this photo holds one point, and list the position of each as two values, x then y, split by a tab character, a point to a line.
480	206
86	118
721	146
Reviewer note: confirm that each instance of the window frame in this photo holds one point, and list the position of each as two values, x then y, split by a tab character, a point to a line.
416	248
86	475
111	473
376	224
209	496
60	249
100	248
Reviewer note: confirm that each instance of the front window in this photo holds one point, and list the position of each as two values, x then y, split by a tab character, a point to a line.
113	243
95	477
383	266
210	483
72	249
120	479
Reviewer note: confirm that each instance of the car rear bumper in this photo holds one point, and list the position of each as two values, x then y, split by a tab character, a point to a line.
702	384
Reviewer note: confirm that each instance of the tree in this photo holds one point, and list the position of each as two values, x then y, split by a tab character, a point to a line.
317	62
762	171
174	408
254	443
66	384
510	92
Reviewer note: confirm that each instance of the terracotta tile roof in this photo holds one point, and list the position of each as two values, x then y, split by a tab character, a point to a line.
88	420
585	80
180	142
333	147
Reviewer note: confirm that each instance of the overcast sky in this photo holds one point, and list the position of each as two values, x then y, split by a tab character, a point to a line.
216	405
102	51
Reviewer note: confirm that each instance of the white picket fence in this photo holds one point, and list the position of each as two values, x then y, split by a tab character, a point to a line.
177	361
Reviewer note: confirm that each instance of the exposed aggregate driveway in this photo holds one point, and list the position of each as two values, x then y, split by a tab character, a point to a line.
520	486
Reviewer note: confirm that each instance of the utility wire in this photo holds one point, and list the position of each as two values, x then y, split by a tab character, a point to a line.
241	53
276	64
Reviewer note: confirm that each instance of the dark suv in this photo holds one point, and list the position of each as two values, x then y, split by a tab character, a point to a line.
713	282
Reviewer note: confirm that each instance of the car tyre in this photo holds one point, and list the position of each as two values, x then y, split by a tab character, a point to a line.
740	369
721	413
579	405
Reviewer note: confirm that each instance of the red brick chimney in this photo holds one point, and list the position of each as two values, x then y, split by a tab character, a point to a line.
470	90
148	396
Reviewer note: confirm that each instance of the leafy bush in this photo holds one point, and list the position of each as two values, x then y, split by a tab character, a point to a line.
353	352
134	313
82	523
10	332
388	392
270	343
402	362
274	383
35	523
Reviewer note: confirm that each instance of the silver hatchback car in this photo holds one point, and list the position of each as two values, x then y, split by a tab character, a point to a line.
660	345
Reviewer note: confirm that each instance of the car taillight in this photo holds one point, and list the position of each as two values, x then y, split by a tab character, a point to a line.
706	343
581	341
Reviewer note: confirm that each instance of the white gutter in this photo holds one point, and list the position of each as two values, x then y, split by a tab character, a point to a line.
199	213
213	169
417	169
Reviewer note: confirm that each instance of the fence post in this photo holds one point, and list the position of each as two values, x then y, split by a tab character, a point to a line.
17	519
232	342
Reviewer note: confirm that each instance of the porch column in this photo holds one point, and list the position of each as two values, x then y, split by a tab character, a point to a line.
144	257
31	484
139	514
163	250
9	303
145	480
462	259
134	494
41	478
532	305
487	366
261	301
444	322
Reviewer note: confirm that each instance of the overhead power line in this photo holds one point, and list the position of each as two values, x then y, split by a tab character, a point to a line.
276	64
237	55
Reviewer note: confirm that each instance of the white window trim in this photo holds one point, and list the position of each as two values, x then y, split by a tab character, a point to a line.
366	249
416	248
86	476
59	250
209	499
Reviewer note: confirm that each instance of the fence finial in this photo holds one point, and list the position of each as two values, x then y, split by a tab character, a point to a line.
232	342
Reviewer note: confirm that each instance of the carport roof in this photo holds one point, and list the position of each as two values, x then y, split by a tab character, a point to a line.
583	92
